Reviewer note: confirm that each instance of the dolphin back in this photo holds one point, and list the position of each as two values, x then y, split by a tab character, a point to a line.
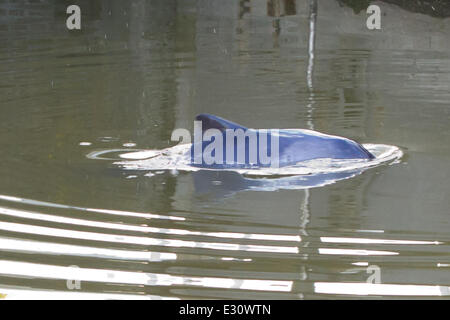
294	146
298	145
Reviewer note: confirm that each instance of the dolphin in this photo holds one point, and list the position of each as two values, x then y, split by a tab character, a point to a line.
292	146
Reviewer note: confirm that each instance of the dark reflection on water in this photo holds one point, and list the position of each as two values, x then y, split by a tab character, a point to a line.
139	69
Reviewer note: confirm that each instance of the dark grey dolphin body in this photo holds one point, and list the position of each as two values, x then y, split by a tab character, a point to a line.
294	146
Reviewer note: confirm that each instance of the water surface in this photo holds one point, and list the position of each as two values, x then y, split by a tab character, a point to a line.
140	69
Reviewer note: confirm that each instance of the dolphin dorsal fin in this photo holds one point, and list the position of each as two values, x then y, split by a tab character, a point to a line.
210	121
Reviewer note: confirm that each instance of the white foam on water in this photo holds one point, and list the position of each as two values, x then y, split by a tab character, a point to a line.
178	158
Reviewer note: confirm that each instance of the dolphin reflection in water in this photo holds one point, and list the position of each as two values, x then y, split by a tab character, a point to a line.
220	184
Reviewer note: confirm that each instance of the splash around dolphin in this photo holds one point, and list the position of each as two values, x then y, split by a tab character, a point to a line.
229	145
307	159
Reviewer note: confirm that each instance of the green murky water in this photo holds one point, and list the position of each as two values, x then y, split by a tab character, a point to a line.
137	70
